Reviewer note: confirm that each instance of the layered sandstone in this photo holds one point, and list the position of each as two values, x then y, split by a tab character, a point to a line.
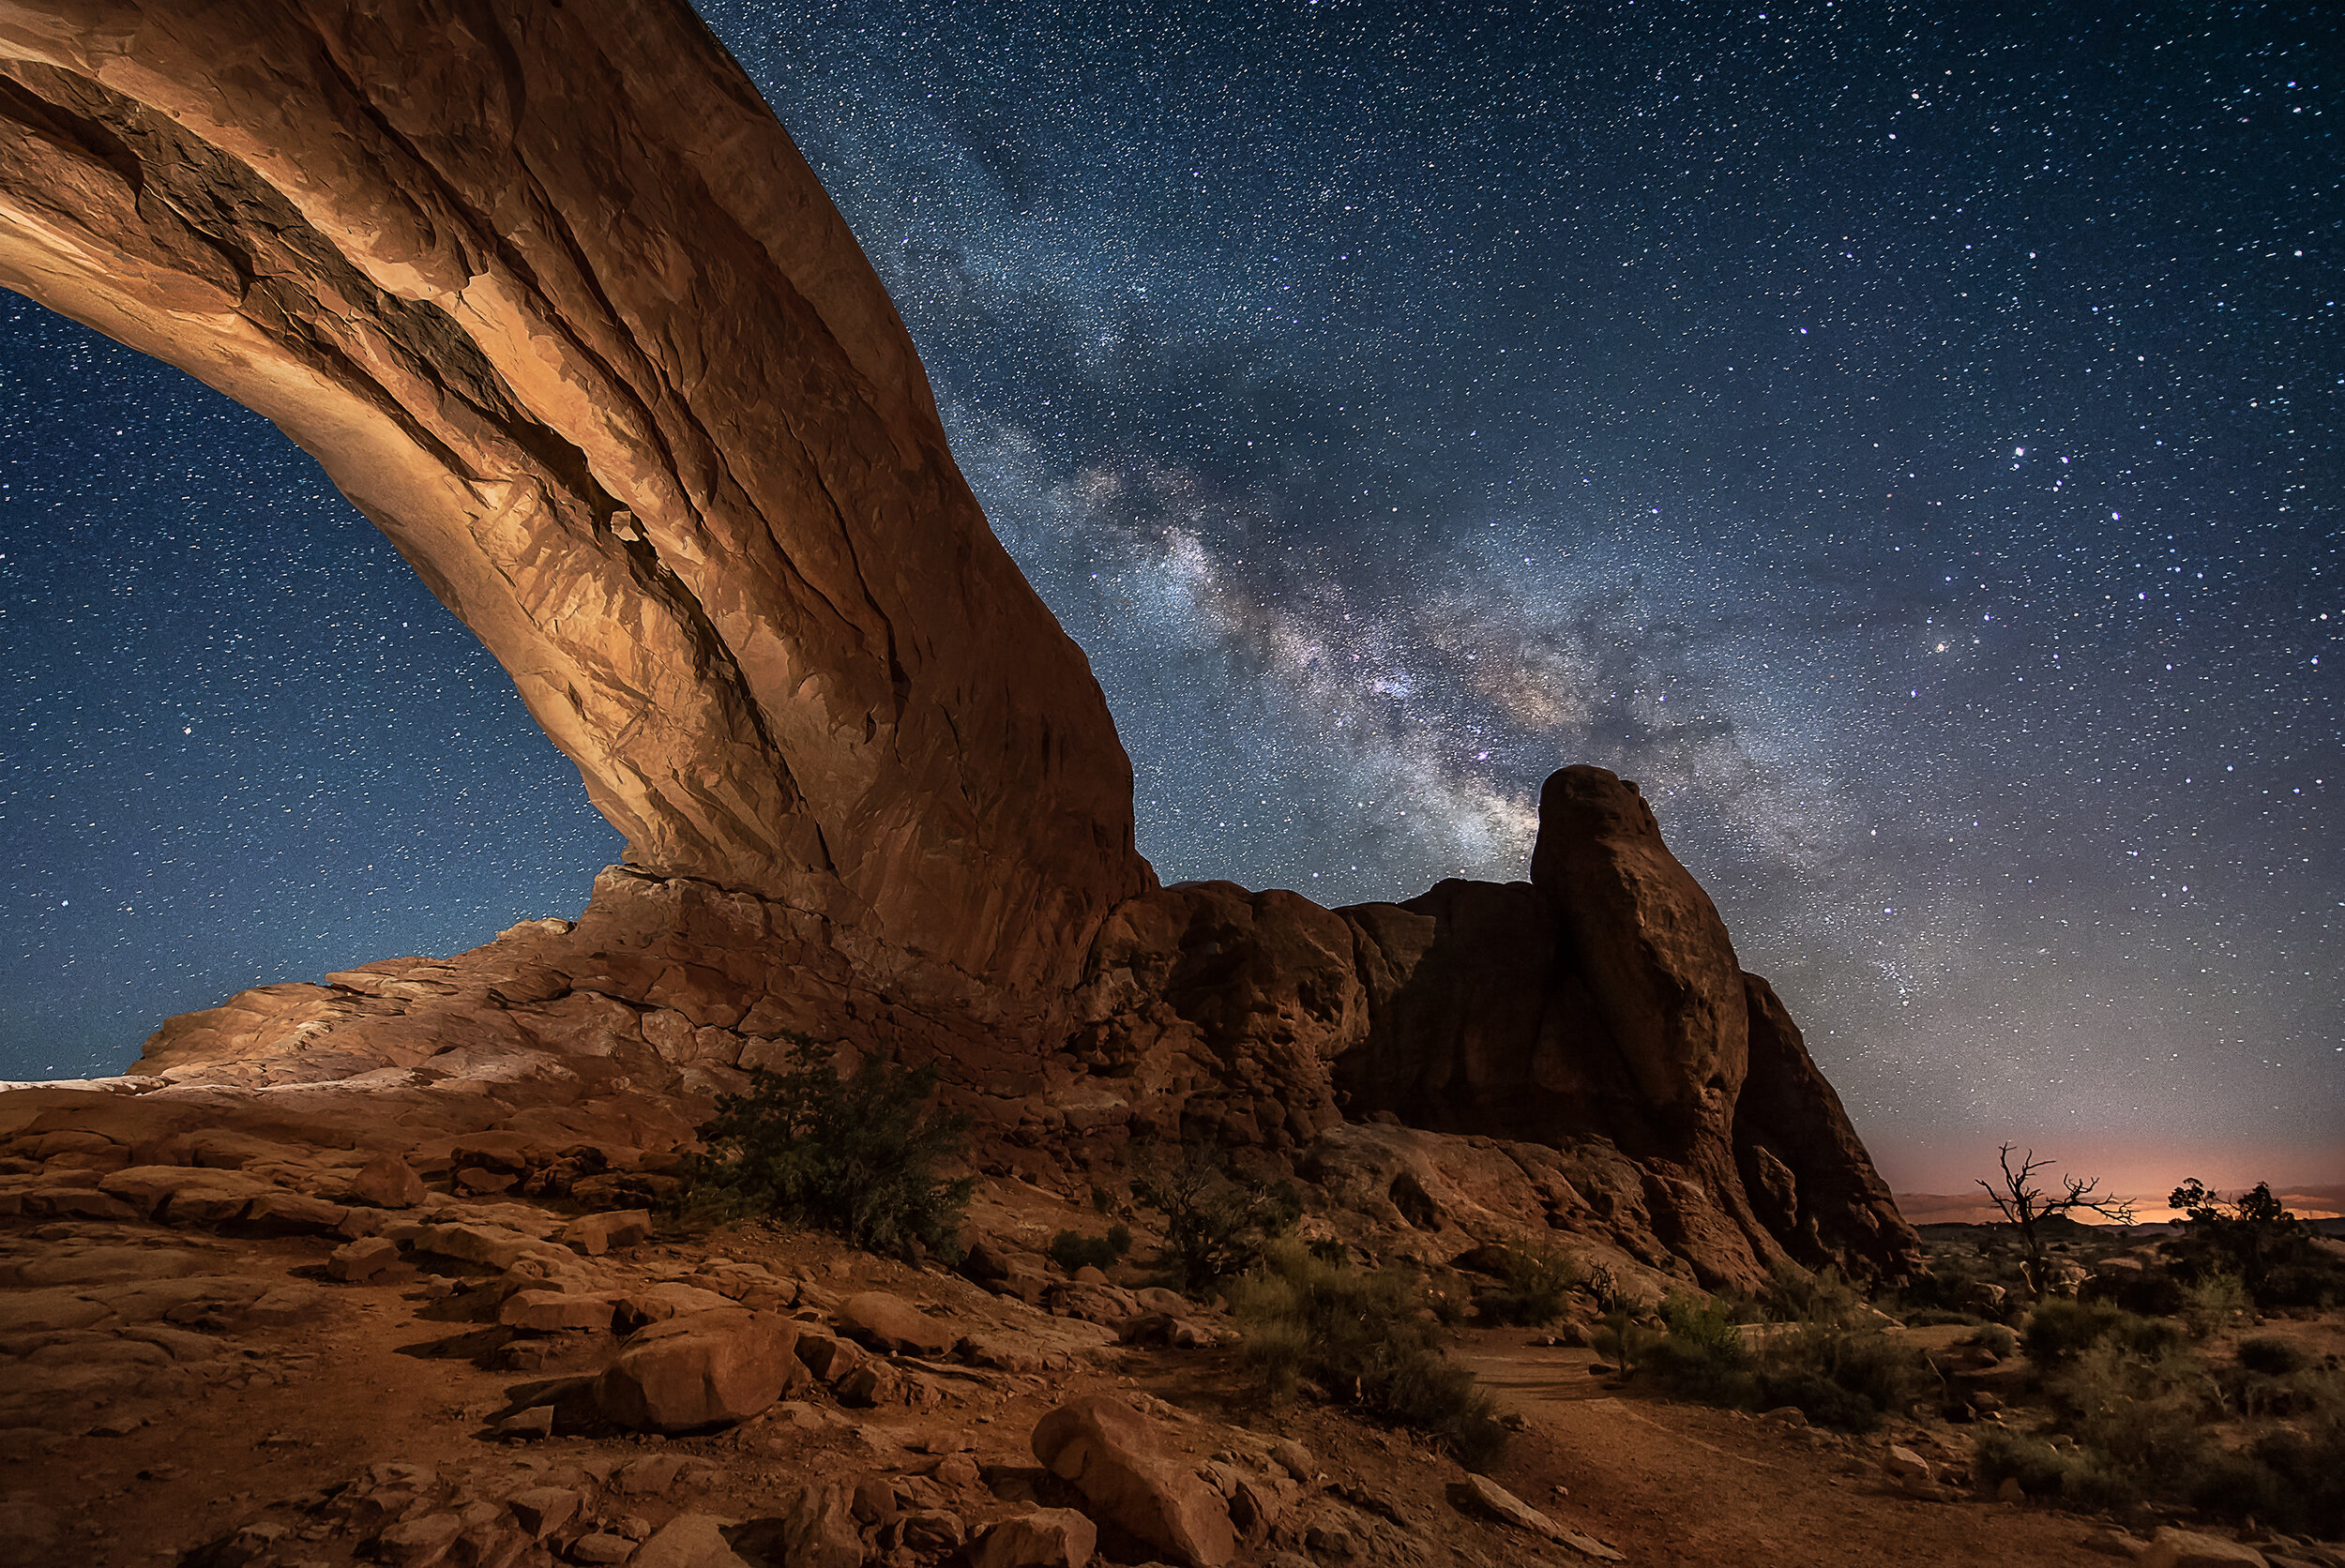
551	296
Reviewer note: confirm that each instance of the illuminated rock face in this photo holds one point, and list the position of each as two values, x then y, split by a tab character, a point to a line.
551	296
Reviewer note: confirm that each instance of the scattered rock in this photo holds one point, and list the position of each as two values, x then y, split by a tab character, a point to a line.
543	1510
1046	1538
600	1549
1904	1464
1294	1459
1490	1497
892	1325
694	1541
616	1230
652	1474
551	1311
419	1541
709	1368
361	1259
387	1182
1121	1468
2185	1549
819	1528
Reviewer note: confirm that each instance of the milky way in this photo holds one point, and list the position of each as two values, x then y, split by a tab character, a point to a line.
1905	442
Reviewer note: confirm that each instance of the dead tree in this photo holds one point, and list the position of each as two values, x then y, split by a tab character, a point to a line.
2025	1205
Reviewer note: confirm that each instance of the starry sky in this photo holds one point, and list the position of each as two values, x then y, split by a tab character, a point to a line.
1905	439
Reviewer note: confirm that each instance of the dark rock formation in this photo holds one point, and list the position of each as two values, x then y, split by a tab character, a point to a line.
553	299
557	303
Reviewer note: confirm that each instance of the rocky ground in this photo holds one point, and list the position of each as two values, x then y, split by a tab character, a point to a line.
224	1351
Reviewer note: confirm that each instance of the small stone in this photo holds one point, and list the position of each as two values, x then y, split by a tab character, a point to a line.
690	1541
652	1474
551	1311
387	1182
2187	1549
543	1510
818	1529
931	1531
958	1470
892	1325
602	1549
361	1259
419	1543
1905	1464
536	1422
1046	1538
2011	1491
595	1234
1294	1458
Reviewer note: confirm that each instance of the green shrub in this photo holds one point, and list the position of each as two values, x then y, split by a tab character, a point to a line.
1996	1340
2060	1331
1360	1336
1703	1354
857	1156
1625	1342
1794	1295
2271	1250
1217	1224
2308	1469
2213	1302
2140	1416
2273	1356
1539	1285
1071	1249
2072	1477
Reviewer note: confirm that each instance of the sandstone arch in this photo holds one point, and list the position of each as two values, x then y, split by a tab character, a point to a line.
555	302
552	298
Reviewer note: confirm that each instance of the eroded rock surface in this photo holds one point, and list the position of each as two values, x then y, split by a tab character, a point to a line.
554	300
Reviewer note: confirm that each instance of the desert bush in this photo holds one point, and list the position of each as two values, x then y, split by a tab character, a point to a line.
2253	1236
2309	1472
1877	1374
2141	1416
1625	1342
1996	1339
2273	1355
1794	1295
1360	1336
1538	1282
857	1156
1610	1295
2069	1476
2060	1331
1071	1249
1702	1355
1217	1224
2213	1302
1846	1379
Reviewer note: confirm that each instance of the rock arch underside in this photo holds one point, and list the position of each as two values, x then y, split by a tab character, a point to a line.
554	300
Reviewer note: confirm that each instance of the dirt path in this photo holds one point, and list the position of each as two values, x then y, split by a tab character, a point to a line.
1668	1482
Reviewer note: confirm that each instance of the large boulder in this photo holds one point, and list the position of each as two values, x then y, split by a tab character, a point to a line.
1130	1479
703	1369
891	1325
1045	1538
1649	941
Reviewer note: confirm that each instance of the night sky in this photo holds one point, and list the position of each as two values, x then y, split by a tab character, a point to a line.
1904	440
